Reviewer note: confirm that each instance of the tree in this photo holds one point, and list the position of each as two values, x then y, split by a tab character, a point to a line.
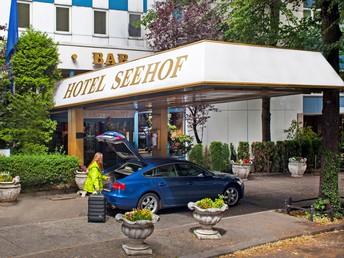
197	118
175	23
331	37
25	124
259	22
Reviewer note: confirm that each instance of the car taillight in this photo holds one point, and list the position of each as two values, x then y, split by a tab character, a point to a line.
118	186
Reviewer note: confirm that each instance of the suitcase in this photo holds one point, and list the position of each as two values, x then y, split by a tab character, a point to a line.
96	208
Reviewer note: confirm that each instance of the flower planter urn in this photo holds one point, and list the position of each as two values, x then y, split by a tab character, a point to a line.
9	191
241	171
207	218
297	167
80	179
137	232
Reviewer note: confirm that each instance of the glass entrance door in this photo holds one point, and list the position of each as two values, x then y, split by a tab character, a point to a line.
94	127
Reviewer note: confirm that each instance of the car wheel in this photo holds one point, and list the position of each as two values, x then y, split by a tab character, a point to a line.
231	195
149	201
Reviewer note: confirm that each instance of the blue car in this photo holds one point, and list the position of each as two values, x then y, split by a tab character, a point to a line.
159	183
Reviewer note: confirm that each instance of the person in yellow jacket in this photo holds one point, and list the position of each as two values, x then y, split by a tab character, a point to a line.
94	181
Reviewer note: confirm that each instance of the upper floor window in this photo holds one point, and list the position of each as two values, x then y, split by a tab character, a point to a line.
100	22
133	30
23	15
62	19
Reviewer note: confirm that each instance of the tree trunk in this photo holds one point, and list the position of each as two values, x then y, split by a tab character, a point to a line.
266	120
331	34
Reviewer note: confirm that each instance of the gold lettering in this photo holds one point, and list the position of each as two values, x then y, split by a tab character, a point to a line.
79	85
85	87
136	78
168	70
100	84
122	58
151	72
93	84
178	65
110	59
118	80
69	90
126	80
97	58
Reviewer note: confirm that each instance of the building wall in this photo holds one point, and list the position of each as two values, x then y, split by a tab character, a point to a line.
81	40
241	121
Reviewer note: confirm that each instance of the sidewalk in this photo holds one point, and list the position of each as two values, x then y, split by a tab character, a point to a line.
56	226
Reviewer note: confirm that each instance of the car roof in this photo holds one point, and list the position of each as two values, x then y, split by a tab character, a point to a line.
164	161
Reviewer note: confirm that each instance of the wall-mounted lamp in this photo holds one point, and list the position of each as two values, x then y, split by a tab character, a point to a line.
74	57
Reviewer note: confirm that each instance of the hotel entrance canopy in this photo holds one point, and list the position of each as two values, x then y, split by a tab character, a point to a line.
202	72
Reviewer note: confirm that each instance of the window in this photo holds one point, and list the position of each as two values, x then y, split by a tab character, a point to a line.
165	171
62	19
134	31
23	15
189	170
100	22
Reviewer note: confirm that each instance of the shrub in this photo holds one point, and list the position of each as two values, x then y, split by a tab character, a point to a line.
41	171
244	150
196	154
217	157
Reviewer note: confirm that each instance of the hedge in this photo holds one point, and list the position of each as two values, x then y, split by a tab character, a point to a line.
41	171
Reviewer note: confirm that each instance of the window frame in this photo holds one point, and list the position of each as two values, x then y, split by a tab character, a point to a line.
129	26
30	12
106	23
69	20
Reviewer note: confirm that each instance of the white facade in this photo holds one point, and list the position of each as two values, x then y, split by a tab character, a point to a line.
80	39
241	121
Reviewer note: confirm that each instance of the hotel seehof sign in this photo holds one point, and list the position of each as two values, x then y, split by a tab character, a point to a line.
149	74
204	62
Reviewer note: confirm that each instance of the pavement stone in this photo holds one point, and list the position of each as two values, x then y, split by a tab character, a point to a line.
56	226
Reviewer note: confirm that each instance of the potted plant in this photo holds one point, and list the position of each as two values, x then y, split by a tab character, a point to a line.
80	179
241	168
208	213
9	187
137	225
297	166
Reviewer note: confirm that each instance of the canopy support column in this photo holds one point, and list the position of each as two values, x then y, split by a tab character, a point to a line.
76	133
160	128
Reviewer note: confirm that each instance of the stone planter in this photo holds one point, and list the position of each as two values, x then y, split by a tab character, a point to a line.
9	191
241	171
207	218
80	179
137	232
297	168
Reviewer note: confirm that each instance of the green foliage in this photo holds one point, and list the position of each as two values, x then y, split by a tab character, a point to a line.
40	171
296	132
25	124
181	144
329	182
138	214
244	150
196	154
35	64
226	156
217	156
233	152
264	154
207	158
5	177
207	203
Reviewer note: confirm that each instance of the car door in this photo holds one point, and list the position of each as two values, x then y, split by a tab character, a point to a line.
199	182
169	186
